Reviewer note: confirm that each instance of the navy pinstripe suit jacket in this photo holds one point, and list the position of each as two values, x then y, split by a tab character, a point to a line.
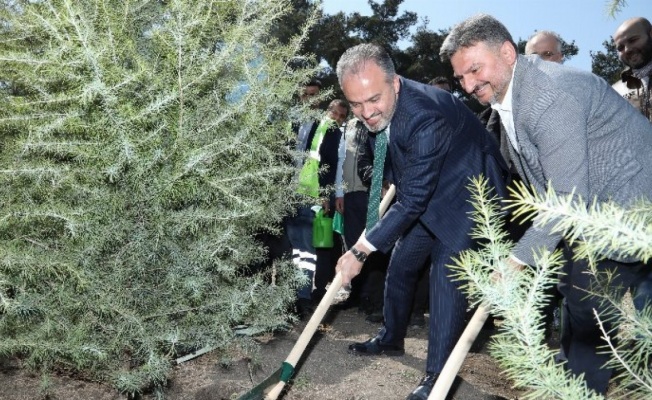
436	144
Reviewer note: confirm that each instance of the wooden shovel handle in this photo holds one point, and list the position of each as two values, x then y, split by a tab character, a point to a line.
318	315
457	356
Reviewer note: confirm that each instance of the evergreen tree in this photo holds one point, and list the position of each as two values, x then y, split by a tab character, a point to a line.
333	34
607	65
385	26
420	61
143	146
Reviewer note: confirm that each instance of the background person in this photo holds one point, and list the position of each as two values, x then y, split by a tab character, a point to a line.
547	45
321	139
633	40
337	111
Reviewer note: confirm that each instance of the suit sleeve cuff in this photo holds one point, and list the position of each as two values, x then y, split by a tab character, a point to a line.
368	245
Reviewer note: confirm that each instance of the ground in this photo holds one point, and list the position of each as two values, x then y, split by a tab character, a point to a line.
326	371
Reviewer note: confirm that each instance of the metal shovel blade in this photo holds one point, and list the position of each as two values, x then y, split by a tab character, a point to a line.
259	392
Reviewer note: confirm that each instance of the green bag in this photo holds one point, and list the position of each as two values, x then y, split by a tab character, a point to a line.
322	231
338	223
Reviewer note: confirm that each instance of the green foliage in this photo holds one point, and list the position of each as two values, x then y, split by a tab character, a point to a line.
333	34
607	230
613	7
420	61
385	26
143	147
607	65
518	296
603	229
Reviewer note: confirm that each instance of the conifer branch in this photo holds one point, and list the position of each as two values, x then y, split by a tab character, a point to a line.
517	297
632	374
602	228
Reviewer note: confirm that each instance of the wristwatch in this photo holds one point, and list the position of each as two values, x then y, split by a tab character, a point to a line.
360	256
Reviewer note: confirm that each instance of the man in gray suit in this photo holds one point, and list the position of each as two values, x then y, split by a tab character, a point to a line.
568	129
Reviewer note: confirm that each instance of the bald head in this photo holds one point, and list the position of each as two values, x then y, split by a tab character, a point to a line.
633	40
547	45
634	24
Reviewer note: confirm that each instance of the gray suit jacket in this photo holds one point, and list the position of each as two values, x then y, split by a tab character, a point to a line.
576	133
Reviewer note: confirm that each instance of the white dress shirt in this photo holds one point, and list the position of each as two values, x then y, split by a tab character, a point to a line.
506	116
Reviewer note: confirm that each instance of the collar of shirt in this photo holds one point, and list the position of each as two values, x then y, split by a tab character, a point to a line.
643	72
505	111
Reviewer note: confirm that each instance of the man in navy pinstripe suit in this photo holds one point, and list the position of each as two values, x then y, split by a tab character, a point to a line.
435	145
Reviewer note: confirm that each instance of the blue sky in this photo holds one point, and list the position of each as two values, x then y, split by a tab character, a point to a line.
585	21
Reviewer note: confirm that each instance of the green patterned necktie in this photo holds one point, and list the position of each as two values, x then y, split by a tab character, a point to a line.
380	151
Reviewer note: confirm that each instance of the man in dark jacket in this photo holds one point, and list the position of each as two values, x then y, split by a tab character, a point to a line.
434	144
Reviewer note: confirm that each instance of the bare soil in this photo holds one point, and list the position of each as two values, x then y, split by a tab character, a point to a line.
326	371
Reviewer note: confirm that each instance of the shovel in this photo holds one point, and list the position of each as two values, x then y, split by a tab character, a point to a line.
272	386
457	356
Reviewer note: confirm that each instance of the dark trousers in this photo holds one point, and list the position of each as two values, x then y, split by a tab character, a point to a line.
642	290
447	302
299	231
325	268
422	294
355	216
369	285
581	335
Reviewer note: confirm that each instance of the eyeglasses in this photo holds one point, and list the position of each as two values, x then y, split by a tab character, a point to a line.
546	55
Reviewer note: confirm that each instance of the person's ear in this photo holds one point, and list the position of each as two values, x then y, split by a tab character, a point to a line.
396	83
508	52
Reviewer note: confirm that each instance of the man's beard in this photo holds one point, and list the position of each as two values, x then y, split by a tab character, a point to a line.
492	100
382	124
498	90
385	119
646	58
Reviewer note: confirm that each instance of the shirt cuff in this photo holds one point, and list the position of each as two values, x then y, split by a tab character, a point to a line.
516	260
367	244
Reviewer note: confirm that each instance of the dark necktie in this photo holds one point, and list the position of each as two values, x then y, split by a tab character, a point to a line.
377	178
